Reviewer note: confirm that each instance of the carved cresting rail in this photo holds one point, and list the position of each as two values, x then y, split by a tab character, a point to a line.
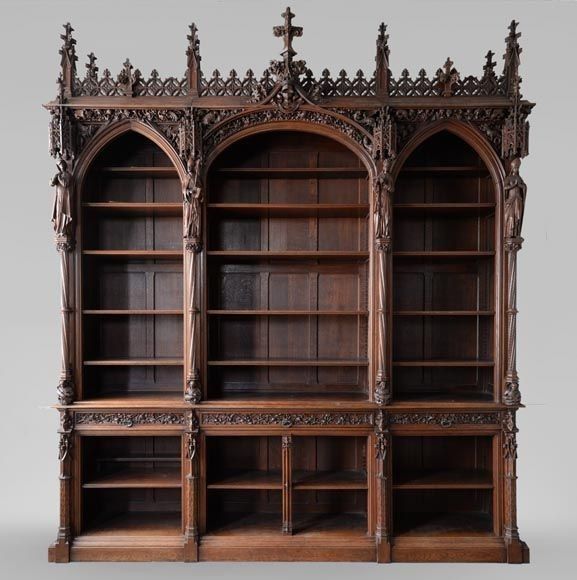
377	115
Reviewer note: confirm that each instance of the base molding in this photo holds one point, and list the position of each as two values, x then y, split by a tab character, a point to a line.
291	549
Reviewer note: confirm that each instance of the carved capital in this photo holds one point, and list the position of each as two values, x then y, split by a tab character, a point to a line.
511	393
513	245
66	390
193	390
383	393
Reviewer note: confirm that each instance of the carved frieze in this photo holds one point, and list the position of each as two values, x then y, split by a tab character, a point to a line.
288	419
129	419
261	116
444	419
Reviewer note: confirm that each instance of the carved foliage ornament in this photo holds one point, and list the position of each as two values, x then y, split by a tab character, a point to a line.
130	419
288	419
444	419
251	118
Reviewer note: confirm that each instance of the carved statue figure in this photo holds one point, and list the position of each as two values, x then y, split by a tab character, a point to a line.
384	188
62	211
515	192
192	193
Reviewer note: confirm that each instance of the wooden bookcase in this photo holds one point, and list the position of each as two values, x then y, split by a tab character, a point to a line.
288	312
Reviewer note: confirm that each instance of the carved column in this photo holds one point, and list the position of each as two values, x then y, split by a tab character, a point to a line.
191	441
287	524
511	532
192	199
61	548
62	222
515	192
383	504
382	191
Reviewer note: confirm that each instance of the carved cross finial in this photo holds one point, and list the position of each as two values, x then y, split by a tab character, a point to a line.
91	68
128	79
68	60
512	60
447	77
489	63
382	60
288	32
193	61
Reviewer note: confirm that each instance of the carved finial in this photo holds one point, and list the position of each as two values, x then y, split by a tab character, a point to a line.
489	68
512	61
91	68
382	60
193	61
446	78
68	60
128	79
288	32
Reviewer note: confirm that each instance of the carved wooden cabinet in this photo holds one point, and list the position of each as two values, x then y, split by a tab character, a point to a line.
288	311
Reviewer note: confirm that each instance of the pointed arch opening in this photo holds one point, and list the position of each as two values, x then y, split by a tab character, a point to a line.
445	270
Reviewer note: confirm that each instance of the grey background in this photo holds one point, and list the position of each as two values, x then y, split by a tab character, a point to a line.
238	34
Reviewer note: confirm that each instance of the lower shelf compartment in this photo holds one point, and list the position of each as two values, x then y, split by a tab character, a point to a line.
466	524
305	525
137	524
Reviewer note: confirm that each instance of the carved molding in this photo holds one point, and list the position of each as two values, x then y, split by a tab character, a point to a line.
168	122
487	120
129	419
288	419
444	419
260	116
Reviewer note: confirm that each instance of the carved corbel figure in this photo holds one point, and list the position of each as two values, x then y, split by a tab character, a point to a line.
383	188
62	210
192	197
515	193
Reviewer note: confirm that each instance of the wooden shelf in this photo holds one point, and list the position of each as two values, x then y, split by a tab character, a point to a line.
443	313
329	480
459	208
311	172
138	524
140	171
135	479
288	312
448	169
465	524
135	362
443	254
463	479
443	363
248	480
136	254
140	459
137	312
287	363
293	209
287	255
344	525
131	208
450	397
